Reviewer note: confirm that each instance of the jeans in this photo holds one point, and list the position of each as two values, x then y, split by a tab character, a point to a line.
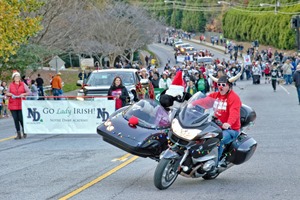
41	92
56	92
287	78
228	136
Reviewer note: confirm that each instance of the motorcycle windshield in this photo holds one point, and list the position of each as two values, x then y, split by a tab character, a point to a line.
150	114
197	111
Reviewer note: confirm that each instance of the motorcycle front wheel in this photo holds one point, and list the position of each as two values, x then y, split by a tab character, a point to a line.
165	173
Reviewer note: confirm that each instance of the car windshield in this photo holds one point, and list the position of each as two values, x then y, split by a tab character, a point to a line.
150	114
105	78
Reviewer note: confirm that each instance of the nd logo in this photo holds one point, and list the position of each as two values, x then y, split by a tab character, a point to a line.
34	114
102	113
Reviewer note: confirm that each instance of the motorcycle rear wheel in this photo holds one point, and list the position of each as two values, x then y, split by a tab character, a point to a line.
165	173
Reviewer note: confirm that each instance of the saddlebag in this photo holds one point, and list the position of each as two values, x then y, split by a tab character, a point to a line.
241	150
248	115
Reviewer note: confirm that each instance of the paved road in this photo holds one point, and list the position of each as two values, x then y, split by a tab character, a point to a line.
53	166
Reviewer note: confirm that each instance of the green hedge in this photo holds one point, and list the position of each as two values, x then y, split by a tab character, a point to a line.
266	27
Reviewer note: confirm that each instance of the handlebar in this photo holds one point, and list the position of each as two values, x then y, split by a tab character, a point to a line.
217	121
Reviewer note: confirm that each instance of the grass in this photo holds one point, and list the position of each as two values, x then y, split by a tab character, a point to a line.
68	76
69	79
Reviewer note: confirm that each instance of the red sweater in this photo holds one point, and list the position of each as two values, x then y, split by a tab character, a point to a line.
227	108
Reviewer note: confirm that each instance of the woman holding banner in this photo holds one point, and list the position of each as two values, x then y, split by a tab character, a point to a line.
16	92
118	92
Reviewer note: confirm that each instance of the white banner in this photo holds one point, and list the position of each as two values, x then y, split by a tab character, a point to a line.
247	60
65	117
180	58
183	58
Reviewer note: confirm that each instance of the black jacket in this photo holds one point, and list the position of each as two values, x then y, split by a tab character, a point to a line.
124	95
296	78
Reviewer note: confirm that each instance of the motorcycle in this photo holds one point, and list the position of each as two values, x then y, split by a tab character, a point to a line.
147	130
194	138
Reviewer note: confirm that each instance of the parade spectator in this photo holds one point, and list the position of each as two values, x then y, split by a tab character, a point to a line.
40	86
143	73
118	92
16	92
287	72
167	67
5	103
209	71
191	89
172	76
82	75
155	80
267	73
274	76
256	74
164	81
34	95
196	76
24	80
147	60
57	85
296	78
3	86
202	84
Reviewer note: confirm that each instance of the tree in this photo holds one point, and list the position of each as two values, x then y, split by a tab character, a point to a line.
115	30
27	56
16	25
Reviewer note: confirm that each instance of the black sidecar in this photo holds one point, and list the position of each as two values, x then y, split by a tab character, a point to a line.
146	136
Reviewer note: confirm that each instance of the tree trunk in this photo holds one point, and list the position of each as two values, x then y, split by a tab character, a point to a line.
112	59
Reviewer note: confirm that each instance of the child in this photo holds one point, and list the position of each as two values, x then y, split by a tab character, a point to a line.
191	89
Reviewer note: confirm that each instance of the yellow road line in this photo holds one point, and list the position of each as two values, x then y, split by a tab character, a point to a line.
123	158
93	182
9	138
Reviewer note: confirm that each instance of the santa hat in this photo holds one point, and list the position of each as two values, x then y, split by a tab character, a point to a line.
15	73
177	86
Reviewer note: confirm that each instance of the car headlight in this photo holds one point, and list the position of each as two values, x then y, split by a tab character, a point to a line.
184	133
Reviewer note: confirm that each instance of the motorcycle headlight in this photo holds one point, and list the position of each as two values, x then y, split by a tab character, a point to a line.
182	132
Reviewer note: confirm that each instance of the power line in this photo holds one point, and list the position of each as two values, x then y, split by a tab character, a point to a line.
214	7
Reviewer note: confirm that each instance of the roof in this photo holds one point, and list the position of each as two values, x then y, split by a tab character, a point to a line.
115	70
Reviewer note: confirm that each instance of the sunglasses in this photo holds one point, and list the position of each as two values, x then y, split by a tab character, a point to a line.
222	84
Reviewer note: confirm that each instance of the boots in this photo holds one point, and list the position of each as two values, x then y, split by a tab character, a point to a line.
24	135
18	135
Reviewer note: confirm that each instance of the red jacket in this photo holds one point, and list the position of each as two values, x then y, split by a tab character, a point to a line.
227	108
17	90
